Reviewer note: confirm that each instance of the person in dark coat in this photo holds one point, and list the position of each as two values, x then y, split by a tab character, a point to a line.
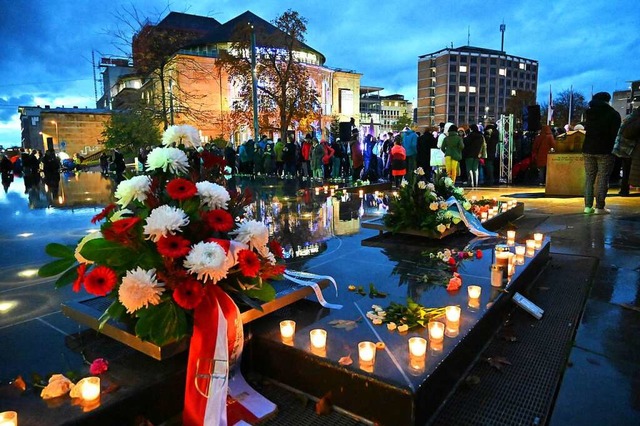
473	145
492	137
601	126
104	163
426	142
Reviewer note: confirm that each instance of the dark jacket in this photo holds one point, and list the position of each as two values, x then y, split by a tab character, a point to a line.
426	142
601	126
473	145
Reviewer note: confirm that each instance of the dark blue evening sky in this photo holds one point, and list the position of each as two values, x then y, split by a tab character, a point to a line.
594	45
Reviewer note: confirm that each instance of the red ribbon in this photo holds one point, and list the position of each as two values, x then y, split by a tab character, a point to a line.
203	340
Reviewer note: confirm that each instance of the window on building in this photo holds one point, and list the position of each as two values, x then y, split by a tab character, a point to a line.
481	99
494	61
463	68
493	71
345	105
473	70
462	109
462	89
472	100
453	58
452	99
463	59
473	80
453	68
452	88
451	118
483	90
522	66
513	92
502	71
492	100
462	79
472	89
483	60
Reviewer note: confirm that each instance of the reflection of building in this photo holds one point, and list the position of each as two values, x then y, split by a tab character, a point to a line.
71	130
382	111
469	84
194	81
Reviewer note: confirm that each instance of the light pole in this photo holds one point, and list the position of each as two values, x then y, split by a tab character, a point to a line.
57	132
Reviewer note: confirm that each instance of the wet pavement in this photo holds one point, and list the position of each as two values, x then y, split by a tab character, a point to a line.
601	383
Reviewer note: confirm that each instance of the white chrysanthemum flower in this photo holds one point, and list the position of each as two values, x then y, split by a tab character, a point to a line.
422	184
255	234
168	159
135	188
419	171
164	220
181	134
431	187
433	206
213	195
139	289
404	183
83	241
120	214
441	228
207	260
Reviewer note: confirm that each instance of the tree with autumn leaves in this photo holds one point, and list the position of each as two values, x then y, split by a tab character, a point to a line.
285	91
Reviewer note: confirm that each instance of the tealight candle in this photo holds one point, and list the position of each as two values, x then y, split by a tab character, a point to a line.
502	254
318	338
9	418
531	248
326	188
90	389
367	353
361	193
520	251
453	321
436	331
511	238
287	329
484	216
417	347
474	291
537	237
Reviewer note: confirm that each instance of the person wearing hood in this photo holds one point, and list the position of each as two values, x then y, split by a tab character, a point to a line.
452	147
410	144
542	144
601	126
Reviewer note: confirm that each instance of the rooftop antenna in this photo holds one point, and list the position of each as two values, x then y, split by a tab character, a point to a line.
502	28
469	35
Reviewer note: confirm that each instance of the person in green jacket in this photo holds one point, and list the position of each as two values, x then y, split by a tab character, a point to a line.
452	147
278	149
317	152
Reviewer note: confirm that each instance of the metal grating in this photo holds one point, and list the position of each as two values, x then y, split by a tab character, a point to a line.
523	393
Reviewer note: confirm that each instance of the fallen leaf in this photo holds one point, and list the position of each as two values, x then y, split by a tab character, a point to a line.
324	406
498	362
19	383
348	325
507	335
472	380
345	360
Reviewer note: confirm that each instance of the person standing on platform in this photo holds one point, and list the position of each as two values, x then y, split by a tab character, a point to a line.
601	126
452	147
626	143
426	142
472	152
542	144
357	159
279	161
410	144
398	161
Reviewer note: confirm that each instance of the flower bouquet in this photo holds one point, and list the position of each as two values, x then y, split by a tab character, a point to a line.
171	233
425	206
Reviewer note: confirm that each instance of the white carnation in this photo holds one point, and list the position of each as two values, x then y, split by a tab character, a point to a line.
419	171
207	260
404	183
422	184
181	134
135	188
255	234
168	159
213	195
431	187
164	220
140	289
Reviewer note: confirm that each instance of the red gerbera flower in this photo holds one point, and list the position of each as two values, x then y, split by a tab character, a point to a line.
181	189
188	294
249	263
173	246
276	249
272	271
219	220
80	271
210	160
120	230
100	281
104	213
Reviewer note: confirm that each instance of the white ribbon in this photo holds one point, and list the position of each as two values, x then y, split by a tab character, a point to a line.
471	222
309	280
216	409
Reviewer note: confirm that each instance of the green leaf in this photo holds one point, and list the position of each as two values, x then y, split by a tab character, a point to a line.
252	303
266	293
59	250
107	252
56	267
115	311
161	323
68	277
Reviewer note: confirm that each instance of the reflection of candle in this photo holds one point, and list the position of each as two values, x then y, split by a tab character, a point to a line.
474	304
361	193
473	198
318	338
474	291
436	331
326	188
520	250
537	237
90	388
9	418
367	353
287	329
417	346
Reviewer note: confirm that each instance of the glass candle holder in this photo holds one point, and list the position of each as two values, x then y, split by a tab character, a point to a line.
436	331
361	193
497	273
287	330
9	418
417	347
367	353
511	238
90	389
318	338
484	216
474	291
502	252
531	248
452	326
537	238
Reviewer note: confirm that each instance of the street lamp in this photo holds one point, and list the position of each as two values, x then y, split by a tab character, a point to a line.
57	132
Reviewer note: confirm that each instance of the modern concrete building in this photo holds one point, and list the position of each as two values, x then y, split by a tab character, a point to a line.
468	84
382	111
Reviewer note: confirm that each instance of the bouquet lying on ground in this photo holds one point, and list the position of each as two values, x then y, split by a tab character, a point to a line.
171	232
423	205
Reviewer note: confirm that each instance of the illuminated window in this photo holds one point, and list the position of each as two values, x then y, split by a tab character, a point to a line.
513	93
523	66
503	71
463	68
472	89
462	88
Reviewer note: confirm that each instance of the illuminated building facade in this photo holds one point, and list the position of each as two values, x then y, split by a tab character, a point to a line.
382	111
468	85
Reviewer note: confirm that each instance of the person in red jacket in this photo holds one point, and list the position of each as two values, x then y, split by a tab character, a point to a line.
305	152
542	144
357	160
327	158
398	161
